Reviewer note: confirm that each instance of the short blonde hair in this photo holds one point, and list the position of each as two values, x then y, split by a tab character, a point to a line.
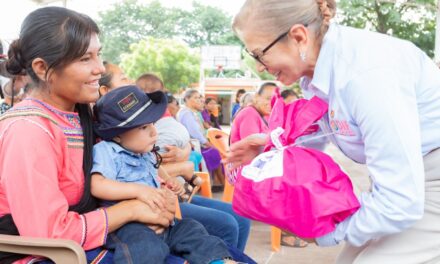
275	17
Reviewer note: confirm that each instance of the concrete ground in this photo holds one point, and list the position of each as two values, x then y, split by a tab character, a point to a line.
258	246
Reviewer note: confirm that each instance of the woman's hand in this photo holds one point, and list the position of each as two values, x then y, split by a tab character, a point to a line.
245	150
143	213
173	154
151	196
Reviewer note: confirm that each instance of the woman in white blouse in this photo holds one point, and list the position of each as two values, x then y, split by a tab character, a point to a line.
384	111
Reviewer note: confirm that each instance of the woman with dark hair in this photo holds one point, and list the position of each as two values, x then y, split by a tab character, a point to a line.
236	104
211	112
48	195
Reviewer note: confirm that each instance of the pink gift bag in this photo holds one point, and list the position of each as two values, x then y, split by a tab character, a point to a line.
295	188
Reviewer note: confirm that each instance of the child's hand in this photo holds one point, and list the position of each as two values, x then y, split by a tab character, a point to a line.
152	196
175	186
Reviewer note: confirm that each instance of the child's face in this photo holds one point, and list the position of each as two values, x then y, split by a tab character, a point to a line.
140	139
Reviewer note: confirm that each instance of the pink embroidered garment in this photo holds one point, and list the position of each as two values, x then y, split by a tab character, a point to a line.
295	188
41	157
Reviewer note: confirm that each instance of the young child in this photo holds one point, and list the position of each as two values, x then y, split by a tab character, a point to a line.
125	167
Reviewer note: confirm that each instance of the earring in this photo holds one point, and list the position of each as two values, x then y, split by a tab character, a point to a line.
303	56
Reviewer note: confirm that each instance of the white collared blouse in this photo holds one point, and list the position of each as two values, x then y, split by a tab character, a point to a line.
384	111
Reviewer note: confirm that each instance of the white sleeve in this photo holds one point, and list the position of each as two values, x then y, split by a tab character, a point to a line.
385	109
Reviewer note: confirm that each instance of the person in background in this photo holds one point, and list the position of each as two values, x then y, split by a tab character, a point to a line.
289	96
236	104
190	116
113	78
210	113
383	111
252	119
14	91
173	105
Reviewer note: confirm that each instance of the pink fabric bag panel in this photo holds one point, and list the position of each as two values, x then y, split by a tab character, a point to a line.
295	188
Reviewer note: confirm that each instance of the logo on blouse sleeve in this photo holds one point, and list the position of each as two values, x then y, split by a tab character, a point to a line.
340	126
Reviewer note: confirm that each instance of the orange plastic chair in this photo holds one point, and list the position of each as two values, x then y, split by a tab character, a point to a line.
220	140
205	188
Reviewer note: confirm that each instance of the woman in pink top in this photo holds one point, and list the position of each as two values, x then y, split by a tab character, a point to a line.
50	137
252	119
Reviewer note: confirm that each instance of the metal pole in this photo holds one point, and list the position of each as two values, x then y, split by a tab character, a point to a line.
437	35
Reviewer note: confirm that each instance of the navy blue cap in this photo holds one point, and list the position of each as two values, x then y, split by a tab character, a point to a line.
126	108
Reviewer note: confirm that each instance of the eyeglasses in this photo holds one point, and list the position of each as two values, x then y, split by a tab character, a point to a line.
258	54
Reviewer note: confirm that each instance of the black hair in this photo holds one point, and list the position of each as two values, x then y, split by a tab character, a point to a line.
264	86
288	92
237	95
59	36
171	98
208	99
106	78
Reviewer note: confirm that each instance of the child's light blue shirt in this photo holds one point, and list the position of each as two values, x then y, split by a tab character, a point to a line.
116	163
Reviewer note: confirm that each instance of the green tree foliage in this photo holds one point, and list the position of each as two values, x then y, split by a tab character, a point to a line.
413	20
129	22
173	61
206	25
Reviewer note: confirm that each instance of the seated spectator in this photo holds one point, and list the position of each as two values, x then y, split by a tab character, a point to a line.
191	117
173	105
113	78
14	91
211	113
217	217
245	100
289	96
252	119
236	104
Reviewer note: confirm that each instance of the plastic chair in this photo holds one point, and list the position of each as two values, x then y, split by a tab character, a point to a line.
58	250
220	140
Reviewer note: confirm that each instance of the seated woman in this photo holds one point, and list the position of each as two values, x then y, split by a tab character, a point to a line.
13	91
218	217
211	113
54	127
190	116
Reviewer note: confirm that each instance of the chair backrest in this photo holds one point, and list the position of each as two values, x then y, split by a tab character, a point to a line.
220	140
58	250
